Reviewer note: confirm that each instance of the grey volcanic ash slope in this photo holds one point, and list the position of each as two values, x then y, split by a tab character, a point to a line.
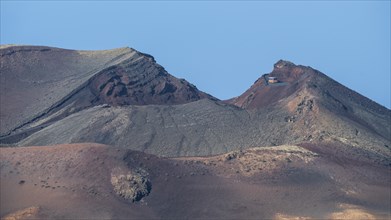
35	78
47	84
305	107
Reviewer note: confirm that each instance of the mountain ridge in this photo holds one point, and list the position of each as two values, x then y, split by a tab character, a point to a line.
100	82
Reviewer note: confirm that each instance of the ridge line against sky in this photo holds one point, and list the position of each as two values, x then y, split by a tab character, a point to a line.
222	47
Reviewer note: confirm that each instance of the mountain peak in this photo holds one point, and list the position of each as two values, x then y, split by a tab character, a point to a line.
283	64
285	79
287	71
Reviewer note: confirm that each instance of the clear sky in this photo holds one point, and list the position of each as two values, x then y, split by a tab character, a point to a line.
221	46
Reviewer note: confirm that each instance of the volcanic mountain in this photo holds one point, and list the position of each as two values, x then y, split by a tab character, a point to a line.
123	98
110	135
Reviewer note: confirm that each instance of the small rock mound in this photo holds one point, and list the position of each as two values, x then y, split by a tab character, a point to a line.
132	185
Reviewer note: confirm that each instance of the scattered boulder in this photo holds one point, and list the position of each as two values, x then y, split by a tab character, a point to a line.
233	155
230	156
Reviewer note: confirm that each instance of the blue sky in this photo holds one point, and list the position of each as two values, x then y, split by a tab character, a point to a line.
221	46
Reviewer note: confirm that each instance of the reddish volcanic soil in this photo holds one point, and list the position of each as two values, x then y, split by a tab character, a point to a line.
73	182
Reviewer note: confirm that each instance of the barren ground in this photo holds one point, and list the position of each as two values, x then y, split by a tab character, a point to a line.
283	182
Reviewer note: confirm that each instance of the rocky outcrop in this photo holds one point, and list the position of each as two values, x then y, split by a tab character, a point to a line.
131	185
140	81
